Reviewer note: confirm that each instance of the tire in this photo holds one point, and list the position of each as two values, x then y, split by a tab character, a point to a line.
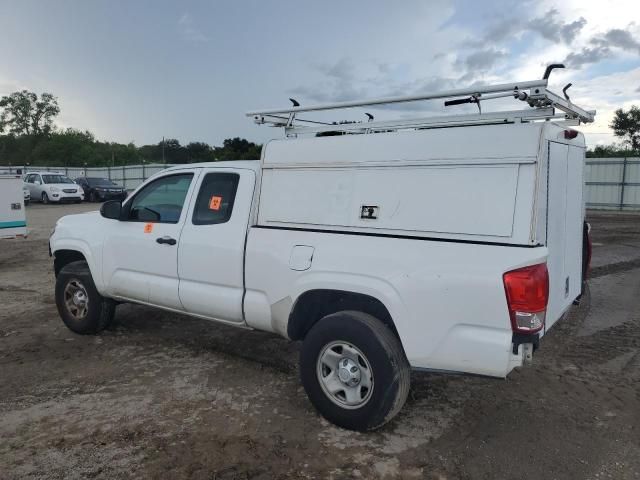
379	356
89	317
92	197
26	203
45	198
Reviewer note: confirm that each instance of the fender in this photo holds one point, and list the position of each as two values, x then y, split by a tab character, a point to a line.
95	264
377	288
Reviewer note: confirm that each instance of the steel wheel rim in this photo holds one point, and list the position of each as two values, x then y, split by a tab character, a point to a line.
345	374
76	299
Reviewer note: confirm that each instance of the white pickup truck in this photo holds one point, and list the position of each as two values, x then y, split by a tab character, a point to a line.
382	247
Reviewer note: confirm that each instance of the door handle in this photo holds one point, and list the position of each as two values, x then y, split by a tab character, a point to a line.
167	240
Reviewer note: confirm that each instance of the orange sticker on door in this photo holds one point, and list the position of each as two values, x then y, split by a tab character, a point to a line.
148	227
215	203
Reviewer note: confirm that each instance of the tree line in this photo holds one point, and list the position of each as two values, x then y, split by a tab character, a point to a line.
29	136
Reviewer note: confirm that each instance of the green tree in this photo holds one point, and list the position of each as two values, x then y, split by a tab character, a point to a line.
23	113
627	126
68	148
199	152
237	149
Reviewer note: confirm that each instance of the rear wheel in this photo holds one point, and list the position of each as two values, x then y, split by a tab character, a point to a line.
354	370
45	198
82	309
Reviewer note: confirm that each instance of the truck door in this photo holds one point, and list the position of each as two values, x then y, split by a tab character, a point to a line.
140	258
211	250
564	227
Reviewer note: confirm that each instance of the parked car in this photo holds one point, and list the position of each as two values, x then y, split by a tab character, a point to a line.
100	189
52	187
398	246
26	194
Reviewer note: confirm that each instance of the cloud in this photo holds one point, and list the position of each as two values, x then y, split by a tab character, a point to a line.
602	46
342	70
482	60
552	29
189	30
547	26
619	38
345	80
586	55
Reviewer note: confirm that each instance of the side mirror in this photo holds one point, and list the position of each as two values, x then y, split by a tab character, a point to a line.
111	209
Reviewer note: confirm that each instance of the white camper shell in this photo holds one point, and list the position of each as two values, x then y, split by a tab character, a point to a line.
13	221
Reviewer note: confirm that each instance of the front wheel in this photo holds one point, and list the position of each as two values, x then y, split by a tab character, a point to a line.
354	370
93	198
45	198
82	309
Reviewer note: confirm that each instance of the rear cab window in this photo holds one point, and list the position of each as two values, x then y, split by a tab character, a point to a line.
217	194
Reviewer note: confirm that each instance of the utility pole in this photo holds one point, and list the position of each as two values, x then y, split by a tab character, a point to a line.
163	160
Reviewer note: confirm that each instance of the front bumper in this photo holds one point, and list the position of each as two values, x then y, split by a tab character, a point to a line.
64	197
111	195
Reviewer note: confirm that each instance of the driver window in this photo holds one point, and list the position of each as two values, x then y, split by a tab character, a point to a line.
162	200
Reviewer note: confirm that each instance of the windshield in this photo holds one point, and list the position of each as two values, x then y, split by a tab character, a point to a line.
56	179
100	182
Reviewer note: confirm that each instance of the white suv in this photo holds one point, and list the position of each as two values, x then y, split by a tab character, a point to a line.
53	187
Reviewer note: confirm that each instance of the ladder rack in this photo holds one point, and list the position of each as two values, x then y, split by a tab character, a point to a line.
535	93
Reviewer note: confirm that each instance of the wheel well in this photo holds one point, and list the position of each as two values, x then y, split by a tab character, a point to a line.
64	257
311	306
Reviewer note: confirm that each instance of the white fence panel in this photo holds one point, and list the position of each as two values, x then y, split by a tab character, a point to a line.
129	176
611	183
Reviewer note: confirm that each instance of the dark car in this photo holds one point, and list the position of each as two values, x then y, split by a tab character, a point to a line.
101	189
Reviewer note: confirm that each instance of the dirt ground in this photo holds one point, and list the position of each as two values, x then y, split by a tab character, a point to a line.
160	395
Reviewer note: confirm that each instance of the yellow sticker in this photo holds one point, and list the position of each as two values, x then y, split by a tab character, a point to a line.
148	227
215	203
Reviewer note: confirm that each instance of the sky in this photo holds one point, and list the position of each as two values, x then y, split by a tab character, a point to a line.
137	71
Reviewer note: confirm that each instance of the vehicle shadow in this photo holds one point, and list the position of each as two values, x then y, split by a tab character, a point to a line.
150	326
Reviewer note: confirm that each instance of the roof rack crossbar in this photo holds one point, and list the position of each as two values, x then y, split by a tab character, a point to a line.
515	116
506	87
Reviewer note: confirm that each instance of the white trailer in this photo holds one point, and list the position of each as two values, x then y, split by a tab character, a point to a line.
13	221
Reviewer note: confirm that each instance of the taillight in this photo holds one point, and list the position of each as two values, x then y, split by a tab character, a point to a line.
570	133
527	291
